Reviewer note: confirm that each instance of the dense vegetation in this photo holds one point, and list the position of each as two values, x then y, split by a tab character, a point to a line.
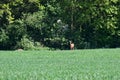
99	64
30	24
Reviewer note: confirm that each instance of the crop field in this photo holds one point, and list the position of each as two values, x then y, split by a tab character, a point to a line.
97	64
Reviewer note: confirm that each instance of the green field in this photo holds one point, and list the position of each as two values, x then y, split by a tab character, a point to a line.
98	64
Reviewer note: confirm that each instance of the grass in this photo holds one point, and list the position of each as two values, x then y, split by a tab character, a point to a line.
98	64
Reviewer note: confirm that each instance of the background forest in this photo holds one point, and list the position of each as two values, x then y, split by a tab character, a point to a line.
33	24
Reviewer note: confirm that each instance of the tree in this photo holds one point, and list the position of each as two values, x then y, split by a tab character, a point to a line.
88	23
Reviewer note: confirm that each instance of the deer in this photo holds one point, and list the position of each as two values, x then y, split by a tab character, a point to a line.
71	45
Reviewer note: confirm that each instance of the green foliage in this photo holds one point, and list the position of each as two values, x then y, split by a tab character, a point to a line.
89	24
15	32
35	25
26	43
3	39
5	15
3	36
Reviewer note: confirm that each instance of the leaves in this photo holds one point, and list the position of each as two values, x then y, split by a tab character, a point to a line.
86	22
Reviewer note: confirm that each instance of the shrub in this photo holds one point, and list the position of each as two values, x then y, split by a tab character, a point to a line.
28	44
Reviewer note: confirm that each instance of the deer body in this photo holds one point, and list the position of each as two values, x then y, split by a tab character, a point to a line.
71	45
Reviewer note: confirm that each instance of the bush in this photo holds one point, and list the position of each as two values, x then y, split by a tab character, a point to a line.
3	39
29	44
25	43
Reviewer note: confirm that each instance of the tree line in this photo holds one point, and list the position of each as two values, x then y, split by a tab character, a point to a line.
35	24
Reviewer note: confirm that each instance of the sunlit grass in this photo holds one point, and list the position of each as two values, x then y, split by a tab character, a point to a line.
98	64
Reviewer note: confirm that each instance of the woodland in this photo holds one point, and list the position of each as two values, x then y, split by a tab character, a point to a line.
36	24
